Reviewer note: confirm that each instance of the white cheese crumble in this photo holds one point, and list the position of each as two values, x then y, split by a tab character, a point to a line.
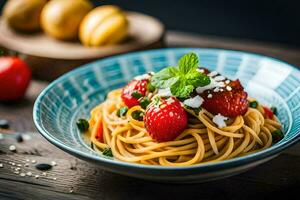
166	92
200	70
212	74
142	77
194	102
209	96
227	81
213	84
228	88
219	78
219	120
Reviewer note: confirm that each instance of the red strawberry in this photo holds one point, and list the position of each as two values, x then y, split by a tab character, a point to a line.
134	90
229	102
165	119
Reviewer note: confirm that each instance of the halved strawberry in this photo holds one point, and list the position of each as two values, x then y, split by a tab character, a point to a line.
165	119
133	91
229	102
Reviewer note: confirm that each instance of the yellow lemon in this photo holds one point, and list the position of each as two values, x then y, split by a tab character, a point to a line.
104	25
61	18
23	15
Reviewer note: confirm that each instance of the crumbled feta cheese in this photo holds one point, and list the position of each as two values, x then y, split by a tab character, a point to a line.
219	120
227	81
164	92
219	78
216	89
209	96
228	88
212	74
142	77
200	70
194	102
213	84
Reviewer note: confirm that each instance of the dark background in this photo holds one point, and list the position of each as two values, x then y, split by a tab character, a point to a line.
264	20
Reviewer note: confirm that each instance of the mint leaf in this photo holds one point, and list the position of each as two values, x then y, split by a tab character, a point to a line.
188	63
197	79
165	77
181	80
181	90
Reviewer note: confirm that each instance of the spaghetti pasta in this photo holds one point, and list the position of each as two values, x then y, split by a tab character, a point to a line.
201	142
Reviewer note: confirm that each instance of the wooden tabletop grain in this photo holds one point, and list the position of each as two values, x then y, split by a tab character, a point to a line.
72	178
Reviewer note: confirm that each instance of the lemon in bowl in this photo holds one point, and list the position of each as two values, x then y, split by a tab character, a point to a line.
104	25
61	19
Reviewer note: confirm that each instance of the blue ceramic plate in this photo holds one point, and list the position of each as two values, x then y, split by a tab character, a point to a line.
73	95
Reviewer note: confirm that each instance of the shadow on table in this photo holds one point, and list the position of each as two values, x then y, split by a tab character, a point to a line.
274	178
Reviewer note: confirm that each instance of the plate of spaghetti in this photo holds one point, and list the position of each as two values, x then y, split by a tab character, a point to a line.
175	115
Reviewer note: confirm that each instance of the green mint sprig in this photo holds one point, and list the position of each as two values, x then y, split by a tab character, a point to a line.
181	80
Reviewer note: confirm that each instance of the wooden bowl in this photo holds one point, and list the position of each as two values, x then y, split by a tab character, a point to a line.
50	58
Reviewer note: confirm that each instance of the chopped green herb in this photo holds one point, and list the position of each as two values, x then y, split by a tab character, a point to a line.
136	94
277	135
145	102
150	87
181	80
83	125
274	110
253	104
122	111
107	152
195	110
137	115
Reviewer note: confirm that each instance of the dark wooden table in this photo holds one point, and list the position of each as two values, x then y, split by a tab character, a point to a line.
72	178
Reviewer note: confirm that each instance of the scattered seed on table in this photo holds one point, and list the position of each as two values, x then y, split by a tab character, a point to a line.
16	172
1	165
13	164
12	148
54	178
22	174
26	165
36	176
44	174
4	124
26	137
18	169
19	165
29	173
71	190
53	163
43	166
27	160
33	161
